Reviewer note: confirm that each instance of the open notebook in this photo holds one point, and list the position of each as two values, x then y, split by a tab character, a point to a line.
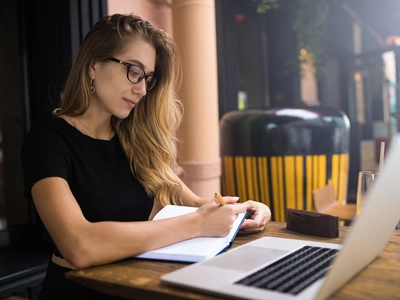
260	269
196	249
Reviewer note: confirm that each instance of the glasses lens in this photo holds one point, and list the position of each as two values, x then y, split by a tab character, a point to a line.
135	73
150	82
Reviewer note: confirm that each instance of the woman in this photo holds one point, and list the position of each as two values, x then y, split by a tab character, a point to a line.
103	166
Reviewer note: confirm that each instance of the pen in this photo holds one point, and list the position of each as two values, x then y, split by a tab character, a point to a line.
218	199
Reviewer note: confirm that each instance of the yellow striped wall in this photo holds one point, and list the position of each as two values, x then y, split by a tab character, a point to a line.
284	181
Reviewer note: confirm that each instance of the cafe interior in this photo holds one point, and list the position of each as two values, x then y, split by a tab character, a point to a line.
302	96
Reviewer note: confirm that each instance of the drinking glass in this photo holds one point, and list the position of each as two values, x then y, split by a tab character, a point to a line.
365	181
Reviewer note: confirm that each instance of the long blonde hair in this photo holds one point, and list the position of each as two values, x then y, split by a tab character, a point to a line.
147	135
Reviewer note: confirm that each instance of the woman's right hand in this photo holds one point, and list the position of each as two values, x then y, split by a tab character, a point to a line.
216	219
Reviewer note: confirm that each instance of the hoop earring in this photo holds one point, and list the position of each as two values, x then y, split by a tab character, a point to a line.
92	89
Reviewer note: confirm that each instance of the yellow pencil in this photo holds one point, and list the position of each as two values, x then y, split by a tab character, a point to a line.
218	199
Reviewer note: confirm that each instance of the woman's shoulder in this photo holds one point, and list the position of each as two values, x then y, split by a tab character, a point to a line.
46	132
59	133
48	127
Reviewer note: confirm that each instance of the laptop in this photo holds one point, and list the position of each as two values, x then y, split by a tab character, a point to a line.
248	271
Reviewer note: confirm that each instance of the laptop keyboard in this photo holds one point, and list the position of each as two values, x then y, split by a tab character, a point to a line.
294	272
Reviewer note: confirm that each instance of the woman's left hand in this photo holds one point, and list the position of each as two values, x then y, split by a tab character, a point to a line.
258	215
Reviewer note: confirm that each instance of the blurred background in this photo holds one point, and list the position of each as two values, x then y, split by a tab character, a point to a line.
342	54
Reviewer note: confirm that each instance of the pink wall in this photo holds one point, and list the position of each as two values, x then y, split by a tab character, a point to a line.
157	11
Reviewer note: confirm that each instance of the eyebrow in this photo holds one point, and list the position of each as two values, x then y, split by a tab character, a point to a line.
136	62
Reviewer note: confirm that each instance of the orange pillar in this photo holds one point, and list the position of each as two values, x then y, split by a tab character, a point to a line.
195	34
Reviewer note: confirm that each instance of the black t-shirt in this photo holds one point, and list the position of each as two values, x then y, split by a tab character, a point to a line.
100	178
97	171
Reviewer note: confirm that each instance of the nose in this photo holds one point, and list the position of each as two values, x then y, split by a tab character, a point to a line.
140	88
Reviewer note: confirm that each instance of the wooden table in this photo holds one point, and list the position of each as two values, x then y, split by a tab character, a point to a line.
140	279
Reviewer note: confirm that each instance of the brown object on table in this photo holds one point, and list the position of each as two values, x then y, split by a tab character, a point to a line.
140	279
312	223
325	202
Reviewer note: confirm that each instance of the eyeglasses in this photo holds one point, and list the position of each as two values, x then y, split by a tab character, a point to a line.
136	74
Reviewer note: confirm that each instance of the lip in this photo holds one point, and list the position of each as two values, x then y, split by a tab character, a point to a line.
130	102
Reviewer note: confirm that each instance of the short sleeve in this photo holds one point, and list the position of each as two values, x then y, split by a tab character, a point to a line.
43	154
